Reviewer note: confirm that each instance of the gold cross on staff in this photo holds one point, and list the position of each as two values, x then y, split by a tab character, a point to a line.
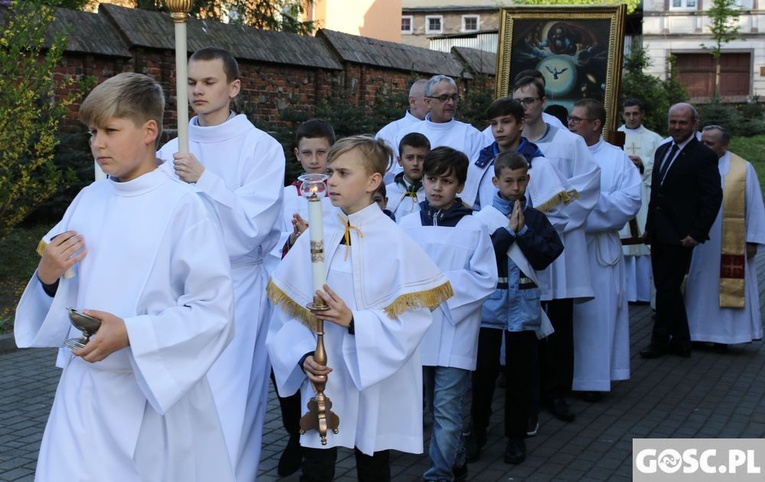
634	149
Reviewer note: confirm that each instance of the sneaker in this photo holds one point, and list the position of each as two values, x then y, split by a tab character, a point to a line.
515	453
533	426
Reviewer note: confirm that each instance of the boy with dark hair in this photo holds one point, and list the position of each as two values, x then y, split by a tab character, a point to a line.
405	193
461	247
241	169
524	242
134	403
372	329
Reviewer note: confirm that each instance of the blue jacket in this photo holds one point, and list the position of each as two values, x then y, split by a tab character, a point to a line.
515	304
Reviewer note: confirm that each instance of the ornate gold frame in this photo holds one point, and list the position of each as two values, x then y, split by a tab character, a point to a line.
582	13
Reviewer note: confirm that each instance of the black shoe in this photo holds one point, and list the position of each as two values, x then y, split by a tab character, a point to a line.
515	453
533	427
291	458
474	442
652	352
592	396
460	473
560	410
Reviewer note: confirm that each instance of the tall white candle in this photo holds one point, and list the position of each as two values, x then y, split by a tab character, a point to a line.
316	231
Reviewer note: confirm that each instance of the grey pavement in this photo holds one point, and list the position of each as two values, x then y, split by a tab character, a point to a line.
708	395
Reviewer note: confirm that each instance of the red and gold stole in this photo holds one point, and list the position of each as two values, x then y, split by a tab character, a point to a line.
733	255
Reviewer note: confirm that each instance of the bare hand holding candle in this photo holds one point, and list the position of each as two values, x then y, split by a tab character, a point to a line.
319	416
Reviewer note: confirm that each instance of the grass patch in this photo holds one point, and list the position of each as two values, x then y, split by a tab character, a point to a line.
751	149
18	265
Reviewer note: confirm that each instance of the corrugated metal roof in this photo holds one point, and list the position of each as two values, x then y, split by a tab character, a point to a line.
453	4
479	61
363	50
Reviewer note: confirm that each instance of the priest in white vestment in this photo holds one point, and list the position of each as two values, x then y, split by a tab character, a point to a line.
601	325
640	145
241	168
440	126
714	316
391	133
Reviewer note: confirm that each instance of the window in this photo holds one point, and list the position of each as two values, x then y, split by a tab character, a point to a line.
434	24
406	24
682	4
470	23
697	73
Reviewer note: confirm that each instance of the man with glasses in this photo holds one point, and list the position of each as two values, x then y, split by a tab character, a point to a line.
685	200
601	325
568	278
640	145
548	118
440	126
418	109
721	295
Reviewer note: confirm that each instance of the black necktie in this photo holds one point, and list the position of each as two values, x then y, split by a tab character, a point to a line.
667	163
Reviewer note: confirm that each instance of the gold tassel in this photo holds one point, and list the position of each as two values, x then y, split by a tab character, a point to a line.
561	197
280	298
570	196
430	299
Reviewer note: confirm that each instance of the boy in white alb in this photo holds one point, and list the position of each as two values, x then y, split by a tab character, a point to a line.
133	404
461	247
241	169
406	193
374	325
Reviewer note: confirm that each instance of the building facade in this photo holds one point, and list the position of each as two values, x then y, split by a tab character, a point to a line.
422	20
680	28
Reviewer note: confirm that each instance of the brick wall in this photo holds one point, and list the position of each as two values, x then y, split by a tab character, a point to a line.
278	70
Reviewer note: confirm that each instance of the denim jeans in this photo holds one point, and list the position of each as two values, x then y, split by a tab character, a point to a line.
448	387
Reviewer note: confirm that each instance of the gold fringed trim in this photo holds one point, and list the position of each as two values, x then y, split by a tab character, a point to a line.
430	298
561	197
570	196
280	298
41	247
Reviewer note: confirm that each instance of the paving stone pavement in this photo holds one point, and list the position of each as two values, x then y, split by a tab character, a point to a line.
707	395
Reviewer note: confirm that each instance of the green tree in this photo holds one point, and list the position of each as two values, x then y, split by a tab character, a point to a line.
631	4
279	15
30	111
724	27
657	95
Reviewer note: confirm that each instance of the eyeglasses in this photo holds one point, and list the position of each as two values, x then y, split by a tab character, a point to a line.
528	100
576	120
445	97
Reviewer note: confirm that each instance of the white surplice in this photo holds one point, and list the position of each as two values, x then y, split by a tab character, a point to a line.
390	134
389	284
637	257
400	203
455	134
706	320
244	177
601	325
569	275
146	412
466	256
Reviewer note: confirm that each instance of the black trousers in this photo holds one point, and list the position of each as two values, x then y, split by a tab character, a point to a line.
319	465
670	263
556	352
291	410
521	369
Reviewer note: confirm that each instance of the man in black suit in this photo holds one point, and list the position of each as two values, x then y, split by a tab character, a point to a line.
685	199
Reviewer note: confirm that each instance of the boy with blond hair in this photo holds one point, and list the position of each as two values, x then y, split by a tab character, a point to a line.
373	327
134	403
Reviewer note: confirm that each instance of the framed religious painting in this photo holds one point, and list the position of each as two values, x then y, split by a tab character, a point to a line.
577	48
